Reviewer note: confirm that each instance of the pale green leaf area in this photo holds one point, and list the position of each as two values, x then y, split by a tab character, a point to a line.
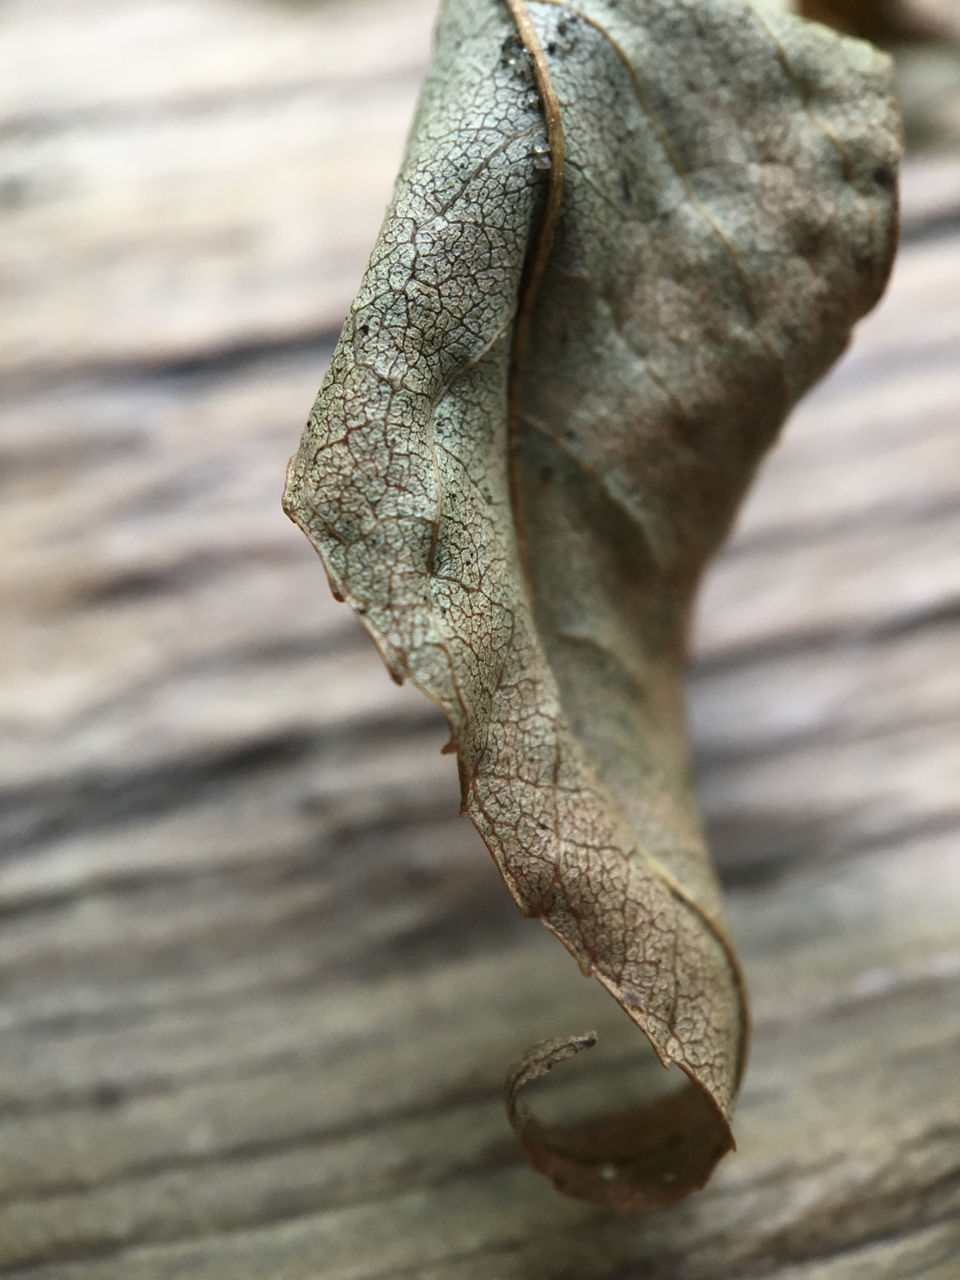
625	239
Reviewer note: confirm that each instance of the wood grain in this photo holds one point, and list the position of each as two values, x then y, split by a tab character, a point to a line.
260	985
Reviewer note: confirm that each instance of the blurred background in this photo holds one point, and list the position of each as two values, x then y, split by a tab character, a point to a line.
259	984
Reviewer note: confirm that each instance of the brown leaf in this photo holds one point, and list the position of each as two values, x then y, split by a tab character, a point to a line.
625	238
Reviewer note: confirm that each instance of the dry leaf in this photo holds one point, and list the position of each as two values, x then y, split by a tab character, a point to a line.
625	238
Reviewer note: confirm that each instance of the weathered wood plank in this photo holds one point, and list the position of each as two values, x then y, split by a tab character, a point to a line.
259	983
173	190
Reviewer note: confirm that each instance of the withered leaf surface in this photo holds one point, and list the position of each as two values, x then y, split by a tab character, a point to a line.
626	237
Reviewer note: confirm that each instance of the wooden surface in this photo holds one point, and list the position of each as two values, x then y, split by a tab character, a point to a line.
259	984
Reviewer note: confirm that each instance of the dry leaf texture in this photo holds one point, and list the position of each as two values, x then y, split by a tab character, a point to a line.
537	425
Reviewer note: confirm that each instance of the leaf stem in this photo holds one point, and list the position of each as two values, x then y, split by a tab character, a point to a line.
537	262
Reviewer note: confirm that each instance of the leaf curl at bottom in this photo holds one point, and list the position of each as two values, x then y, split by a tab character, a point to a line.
625	238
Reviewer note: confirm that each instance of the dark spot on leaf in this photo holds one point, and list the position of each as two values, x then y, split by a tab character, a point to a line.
884	177
809	241
511	49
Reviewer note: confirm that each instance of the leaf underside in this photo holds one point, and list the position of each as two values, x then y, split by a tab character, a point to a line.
541	416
